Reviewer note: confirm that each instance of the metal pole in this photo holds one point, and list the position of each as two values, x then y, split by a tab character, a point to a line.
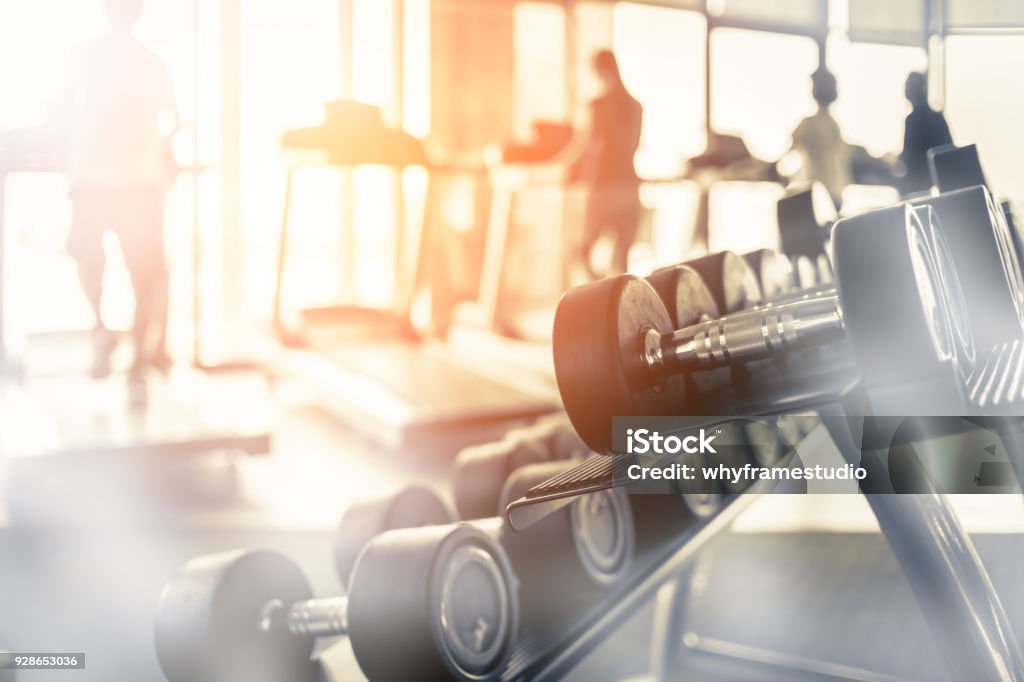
942	567
398	106
196	244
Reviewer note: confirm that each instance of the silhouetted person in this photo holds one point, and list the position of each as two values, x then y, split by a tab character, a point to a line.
114	124
924	128
826	155
606	165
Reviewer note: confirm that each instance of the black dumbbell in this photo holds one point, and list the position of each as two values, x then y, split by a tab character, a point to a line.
565	559
432	603
805	217
568	559
732	282
409	507
986	261
684	292
480	471
617	354
773	270
688	299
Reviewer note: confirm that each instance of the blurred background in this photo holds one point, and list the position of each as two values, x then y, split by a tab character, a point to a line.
368	224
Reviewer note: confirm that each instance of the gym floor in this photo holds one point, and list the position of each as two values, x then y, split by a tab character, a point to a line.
79	582
85	574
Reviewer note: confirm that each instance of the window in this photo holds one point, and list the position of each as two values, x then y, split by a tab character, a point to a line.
760	91
35	38
871	105
983	109
661	57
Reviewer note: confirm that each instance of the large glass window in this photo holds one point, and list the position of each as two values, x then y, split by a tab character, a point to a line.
760	91
540	68
661	56
871	105
760	87
285	89
35	41
984	109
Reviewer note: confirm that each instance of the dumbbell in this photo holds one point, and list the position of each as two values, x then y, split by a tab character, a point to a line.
480	471
986	261
730	279
617	354
409	507
564	560
805	218
773	270
568	559
688	298
431	603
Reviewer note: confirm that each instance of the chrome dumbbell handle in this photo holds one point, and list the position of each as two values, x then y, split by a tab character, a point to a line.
311	618
745	336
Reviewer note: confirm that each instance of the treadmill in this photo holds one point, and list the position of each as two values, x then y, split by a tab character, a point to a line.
406	389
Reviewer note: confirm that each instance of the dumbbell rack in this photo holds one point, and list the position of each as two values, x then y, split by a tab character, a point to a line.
551	655
935	554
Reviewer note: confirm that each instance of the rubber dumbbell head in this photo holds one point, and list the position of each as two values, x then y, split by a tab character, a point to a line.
891	304
986	262
409	507
600	330
894	302
434	603
480	471
732	282
773	270
569	558
688	299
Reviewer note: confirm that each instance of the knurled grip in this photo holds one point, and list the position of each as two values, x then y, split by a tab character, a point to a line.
725	341
754	335
319	617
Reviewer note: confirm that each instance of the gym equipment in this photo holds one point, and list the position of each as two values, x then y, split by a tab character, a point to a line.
433	603
805	218
853	626
749	441
565	561
613	355
688	300
805	273
549	139
410	507
480	471
986	260
954	168
725	159
414	391
692	303
773	270
599	359
685	294
958	168
732	282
